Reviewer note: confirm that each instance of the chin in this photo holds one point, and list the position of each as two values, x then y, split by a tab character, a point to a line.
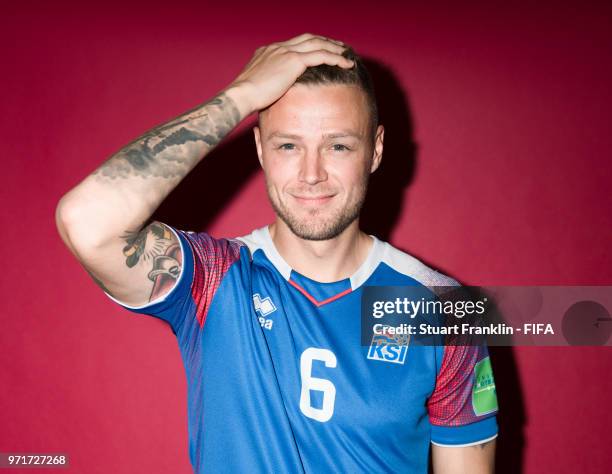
309	227
315	233
321	223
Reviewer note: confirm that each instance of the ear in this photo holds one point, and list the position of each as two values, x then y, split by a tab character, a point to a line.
257	133
378	148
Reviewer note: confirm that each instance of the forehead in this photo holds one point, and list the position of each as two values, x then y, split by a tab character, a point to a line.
312	108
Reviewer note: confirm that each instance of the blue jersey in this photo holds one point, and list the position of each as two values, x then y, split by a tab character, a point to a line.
278	380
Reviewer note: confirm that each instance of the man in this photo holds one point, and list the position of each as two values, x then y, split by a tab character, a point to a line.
297	393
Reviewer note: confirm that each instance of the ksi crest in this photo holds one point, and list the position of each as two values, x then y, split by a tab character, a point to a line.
389	348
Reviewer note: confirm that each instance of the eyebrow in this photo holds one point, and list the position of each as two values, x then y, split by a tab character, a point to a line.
327	135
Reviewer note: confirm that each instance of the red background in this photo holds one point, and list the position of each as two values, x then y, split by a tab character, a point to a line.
508	182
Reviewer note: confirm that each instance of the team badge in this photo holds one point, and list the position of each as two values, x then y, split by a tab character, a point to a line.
389	348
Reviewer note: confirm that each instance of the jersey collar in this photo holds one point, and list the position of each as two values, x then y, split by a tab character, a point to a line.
325	292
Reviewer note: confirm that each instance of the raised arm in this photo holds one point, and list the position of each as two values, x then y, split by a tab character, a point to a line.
102	220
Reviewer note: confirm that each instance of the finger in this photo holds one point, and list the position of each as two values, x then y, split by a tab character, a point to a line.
306	36
342	43
297	39
315	44
314	58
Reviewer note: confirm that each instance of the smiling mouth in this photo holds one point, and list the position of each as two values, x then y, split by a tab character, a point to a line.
313	200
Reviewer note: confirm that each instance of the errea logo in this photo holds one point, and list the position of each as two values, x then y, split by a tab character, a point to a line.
264	307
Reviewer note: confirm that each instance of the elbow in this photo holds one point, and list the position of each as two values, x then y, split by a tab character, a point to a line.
75	228
61	215
61	222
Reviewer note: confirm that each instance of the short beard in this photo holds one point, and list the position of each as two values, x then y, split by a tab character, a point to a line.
325	230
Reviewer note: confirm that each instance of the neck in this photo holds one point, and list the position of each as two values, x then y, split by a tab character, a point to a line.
322	260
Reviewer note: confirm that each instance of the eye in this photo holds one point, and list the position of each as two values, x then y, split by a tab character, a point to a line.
286	146
340	147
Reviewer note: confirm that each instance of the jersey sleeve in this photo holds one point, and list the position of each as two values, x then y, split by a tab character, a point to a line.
463	406
205	261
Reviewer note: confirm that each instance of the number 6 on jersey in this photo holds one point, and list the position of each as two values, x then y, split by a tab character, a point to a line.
309	383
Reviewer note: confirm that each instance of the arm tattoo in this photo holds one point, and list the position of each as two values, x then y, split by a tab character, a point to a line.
166	270
155	244
144	157
150	242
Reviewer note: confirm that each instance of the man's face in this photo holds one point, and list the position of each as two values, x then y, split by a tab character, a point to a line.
316	151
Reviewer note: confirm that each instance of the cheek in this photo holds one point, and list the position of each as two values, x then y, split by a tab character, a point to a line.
352	175
278	172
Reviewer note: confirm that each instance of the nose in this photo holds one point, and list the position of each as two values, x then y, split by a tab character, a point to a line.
312	168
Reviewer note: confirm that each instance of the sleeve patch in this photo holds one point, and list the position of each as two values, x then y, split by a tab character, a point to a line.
465	390
484	399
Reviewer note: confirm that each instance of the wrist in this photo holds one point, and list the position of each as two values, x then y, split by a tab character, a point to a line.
240	96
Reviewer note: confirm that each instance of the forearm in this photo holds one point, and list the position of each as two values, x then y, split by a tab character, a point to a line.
124	191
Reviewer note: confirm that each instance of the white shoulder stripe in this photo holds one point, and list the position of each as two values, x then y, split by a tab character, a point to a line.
261	239
408	265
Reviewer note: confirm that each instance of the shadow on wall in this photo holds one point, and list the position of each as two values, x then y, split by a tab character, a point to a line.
511	418
211	185
204	193
381	212
383	206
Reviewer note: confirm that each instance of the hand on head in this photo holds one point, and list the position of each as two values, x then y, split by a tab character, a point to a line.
274	68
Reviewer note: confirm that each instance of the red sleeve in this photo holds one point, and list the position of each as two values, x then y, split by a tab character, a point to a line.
211	260
465	389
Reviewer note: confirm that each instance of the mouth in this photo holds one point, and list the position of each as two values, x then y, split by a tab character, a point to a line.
313	200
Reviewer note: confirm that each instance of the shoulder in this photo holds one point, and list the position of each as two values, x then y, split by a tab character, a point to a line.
210	252
407	264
